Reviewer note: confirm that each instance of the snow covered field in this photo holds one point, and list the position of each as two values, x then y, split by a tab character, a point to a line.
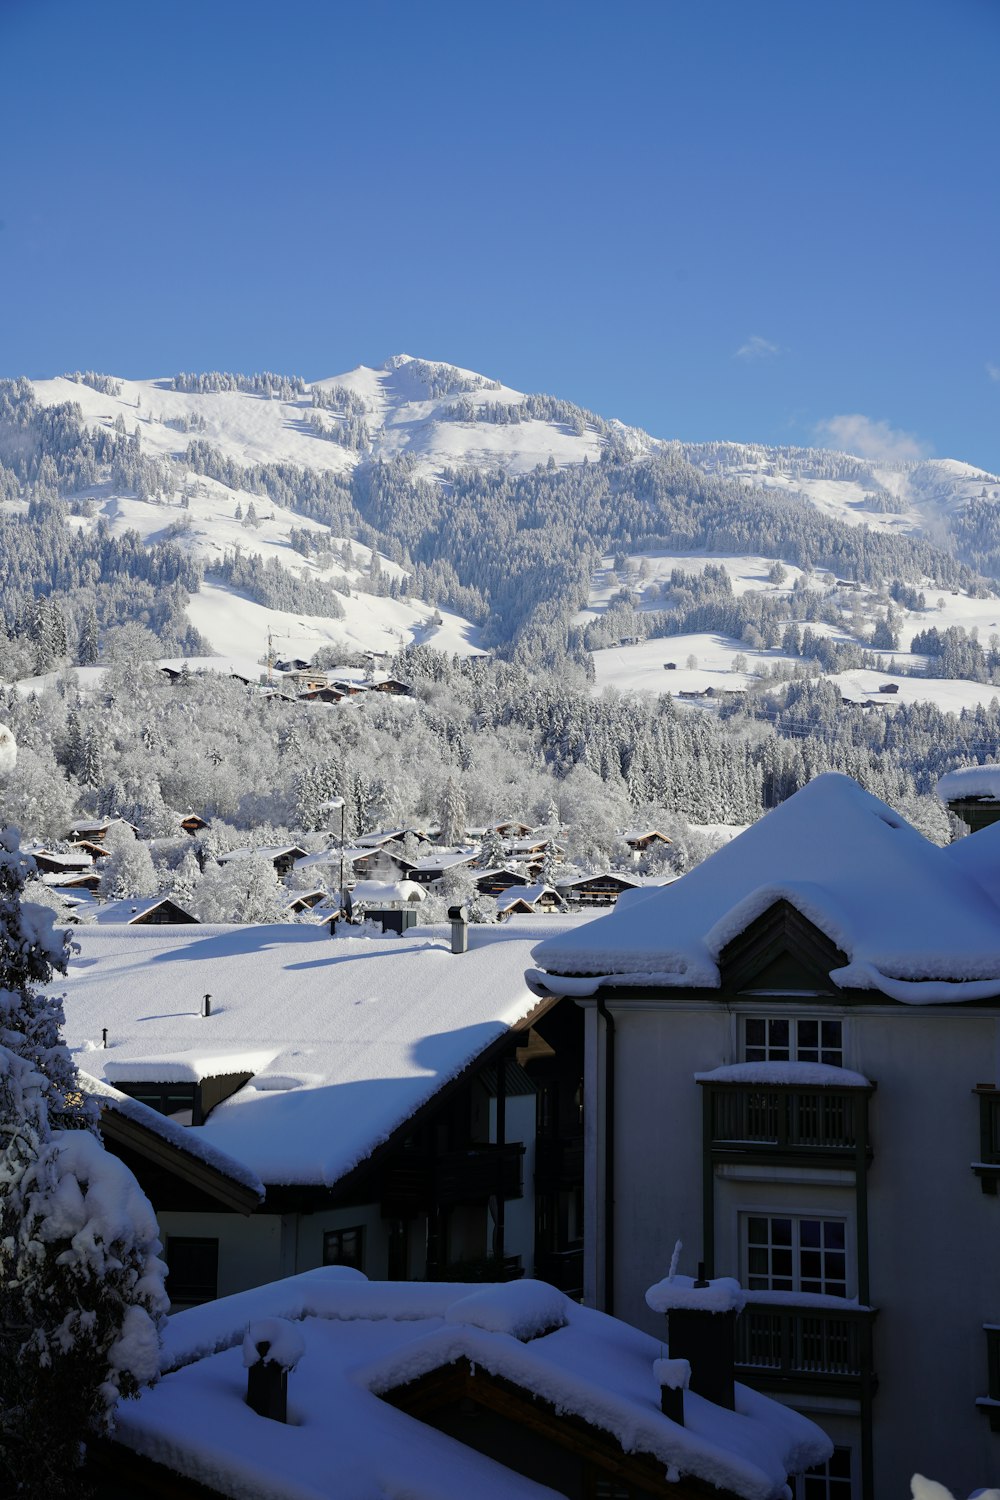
641	667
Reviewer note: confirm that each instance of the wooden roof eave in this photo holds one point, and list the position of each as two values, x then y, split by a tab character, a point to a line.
285	1197
120	1130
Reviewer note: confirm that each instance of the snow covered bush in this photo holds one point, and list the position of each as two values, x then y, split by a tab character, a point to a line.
81	1285
241	890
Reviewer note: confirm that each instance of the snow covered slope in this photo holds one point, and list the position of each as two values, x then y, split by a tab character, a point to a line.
919	496
436	413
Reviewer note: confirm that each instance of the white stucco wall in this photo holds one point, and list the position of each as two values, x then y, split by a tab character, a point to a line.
934	1235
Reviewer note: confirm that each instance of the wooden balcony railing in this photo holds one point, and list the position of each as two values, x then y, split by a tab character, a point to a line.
562	1269
474	1175
558	1162
772	1121
827	1350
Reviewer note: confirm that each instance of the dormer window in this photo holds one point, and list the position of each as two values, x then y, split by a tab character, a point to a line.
175	1100
793	1039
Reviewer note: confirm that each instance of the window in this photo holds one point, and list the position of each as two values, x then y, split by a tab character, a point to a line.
193	1269
829	1481
344	1247
793	1039
175	1100
795	1255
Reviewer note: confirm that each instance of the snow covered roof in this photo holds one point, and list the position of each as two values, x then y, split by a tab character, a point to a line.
365	1338
970	781
388	892
913	919
529	894
346	1038
134	908
189	1142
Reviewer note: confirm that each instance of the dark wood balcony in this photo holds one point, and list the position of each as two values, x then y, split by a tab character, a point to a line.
987	1167
416	1184
825	1350
485	1268
562	1269
558	1162
478	1173
786	1122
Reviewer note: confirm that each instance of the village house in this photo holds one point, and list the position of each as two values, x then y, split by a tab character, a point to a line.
595	890
408	1105
791	1065
282	857
334	1386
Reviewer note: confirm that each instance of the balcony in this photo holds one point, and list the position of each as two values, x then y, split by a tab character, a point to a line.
476	1174
823	1350
786	1123
414	1184
558	1162
987	1168
562	1269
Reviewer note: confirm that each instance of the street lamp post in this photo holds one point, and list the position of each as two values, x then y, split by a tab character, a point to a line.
330	805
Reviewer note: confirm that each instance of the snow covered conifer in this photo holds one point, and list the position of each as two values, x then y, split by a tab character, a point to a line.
81	1287
492	852
453	815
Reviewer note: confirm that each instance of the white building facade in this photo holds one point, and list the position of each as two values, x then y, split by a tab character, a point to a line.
833	1145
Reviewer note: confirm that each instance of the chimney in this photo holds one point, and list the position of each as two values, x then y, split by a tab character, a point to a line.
459	929
267	1386
206	1005
701	1329
271	1347
673	1377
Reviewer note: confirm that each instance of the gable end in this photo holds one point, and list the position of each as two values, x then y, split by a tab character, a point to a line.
780	950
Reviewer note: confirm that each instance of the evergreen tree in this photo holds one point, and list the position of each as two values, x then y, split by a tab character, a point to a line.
453	814
89	649
83	1288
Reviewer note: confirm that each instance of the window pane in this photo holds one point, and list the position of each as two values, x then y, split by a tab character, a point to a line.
781	1231
193	1268
833	1234
778	1033
810	1231
754	1031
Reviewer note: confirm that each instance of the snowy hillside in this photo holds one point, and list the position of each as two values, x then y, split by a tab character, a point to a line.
438	414
921	496
293	473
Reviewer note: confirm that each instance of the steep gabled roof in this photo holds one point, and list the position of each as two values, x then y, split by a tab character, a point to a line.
914	920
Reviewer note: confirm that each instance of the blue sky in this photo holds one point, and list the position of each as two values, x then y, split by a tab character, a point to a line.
748	219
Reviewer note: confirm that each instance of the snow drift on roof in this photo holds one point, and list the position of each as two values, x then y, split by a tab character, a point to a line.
970	781
911	924
191	1142
362	1338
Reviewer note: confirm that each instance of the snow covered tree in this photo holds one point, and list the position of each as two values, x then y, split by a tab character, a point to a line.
241	890
82	1284
453	813
492	853
129	869
89	648
185	877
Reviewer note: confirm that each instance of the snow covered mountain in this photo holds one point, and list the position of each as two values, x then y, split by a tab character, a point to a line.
441	416
207	440
921	497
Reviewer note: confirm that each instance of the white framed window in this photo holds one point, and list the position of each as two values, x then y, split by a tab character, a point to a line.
829	1481
793	1039
795	1253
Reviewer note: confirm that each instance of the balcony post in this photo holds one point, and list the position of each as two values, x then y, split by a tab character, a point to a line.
499	1232
860	1112
708	1182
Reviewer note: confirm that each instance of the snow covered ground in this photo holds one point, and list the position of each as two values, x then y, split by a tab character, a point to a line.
232	623
642	667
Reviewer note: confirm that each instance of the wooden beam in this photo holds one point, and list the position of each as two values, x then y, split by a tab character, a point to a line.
118	1129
